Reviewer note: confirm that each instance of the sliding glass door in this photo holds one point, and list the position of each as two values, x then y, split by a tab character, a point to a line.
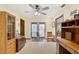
37	30
34	30
41	30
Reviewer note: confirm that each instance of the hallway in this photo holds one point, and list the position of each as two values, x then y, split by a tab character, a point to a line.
42	47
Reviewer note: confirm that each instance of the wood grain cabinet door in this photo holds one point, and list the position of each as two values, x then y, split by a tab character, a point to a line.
2	33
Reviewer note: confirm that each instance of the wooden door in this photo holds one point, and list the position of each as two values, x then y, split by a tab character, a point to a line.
22	27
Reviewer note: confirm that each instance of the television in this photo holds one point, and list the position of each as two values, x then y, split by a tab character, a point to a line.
68	35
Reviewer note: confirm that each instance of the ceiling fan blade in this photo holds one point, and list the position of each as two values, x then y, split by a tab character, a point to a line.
46	8
43	13
31	6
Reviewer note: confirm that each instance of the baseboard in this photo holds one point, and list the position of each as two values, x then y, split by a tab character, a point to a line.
28	38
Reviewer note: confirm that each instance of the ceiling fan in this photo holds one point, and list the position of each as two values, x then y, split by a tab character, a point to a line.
37	9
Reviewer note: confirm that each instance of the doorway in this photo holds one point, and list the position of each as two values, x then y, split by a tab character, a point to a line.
22	27
38	30
58	21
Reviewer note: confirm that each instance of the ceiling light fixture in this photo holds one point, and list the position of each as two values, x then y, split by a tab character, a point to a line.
37	13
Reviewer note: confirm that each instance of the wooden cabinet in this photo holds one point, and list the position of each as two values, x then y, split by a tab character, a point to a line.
7	33
69	40
20	43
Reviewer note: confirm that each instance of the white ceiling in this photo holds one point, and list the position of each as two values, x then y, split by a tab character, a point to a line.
21	8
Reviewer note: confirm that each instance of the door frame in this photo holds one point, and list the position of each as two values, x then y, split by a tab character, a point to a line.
38	28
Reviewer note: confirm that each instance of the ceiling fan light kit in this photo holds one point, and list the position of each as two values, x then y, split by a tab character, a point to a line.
37	13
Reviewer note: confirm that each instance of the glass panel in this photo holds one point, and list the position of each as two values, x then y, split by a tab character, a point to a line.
34	30
11	27
41	30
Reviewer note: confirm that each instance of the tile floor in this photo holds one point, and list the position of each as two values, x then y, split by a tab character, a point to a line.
42	47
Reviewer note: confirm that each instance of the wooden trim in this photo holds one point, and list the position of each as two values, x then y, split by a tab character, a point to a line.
28	38
59	17
70	20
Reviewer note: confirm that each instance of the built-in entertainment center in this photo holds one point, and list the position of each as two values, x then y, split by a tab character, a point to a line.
69	40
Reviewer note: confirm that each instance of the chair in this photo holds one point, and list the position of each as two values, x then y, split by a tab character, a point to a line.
50	37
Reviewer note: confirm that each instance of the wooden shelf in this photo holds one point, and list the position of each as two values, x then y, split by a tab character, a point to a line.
70	20
69	45
70	27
